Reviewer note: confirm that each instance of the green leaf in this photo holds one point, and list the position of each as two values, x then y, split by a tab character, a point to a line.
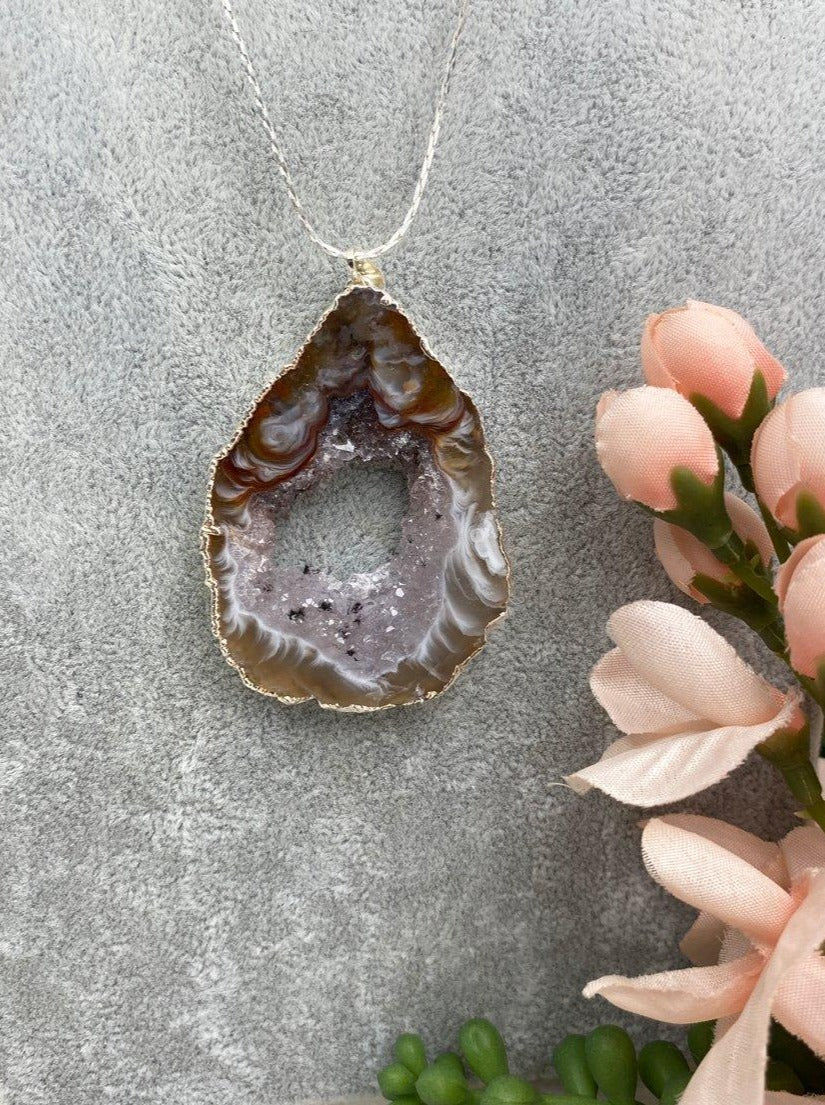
409	1050
611	1057
661	1062
509	1090
780	1077
452	1061
440	1084
570	1061
791	1050
674	1089
483	1048
700	1039
396	1081
564	1099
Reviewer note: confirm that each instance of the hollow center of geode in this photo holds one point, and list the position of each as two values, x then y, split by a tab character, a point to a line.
347	525
372	619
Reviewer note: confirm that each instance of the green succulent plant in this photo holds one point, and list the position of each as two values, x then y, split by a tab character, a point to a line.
601	1066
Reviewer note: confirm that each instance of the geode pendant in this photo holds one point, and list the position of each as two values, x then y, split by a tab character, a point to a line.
364	388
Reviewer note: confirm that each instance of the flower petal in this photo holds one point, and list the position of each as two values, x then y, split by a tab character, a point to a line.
786	570
702	942
716	881
764	855
653	367
647	770
749	525
805	414
775	1097
733	1071
800	1002
774	372
679	654
803	850
800	585
683	997
633	704
776	468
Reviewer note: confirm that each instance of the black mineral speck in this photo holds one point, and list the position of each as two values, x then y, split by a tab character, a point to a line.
356	606
325	604
307	569
438	516
351	652
297	615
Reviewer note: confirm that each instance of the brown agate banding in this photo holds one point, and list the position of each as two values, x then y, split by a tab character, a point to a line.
363	388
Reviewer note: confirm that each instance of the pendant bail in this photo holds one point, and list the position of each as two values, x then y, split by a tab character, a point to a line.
366	273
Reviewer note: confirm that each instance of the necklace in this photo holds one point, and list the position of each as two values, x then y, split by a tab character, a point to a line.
364	388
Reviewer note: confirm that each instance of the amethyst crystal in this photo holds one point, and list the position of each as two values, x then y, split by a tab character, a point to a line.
364	389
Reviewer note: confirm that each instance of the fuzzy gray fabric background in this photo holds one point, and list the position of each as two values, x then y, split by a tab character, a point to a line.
211	899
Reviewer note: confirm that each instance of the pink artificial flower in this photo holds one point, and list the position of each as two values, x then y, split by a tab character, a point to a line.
690	707
683	556
707	351
788	455
643	434
800	587
755	946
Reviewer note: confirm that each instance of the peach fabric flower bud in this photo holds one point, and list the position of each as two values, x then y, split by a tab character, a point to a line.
788	459
643	434
683	556
708	351
800	586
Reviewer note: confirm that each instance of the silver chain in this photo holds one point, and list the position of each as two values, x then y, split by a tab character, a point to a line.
283	168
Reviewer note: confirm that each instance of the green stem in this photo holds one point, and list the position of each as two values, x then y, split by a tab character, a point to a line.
746	476
774	638
780	544
804	784
789	751
731	553
754	581
778	540
813	687
743	603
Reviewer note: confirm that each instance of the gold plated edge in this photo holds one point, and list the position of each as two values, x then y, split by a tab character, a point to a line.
208	528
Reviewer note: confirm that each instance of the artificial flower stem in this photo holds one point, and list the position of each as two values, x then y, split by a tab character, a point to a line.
774	638
743	603
813	687
802	780
778	539
789	751
783	549
731	552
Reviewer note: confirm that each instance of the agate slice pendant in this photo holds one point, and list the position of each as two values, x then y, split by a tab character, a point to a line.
363	389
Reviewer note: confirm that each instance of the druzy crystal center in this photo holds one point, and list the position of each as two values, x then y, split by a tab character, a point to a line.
363	390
